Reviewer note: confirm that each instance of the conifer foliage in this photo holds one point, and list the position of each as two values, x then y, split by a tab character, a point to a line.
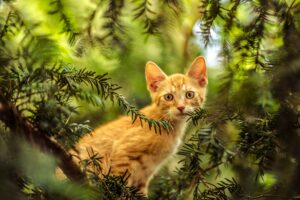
250	127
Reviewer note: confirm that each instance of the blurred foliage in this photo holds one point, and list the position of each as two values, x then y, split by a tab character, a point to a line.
54	88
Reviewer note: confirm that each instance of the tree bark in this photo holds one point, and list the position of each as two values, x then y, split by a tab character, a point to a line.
11	117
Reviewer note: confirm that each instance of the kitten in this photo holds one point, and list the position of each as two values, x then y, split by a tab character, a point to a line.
126	146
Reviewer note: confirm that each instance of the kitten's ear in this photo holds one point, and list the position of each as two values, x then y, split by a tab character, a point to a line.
154	75
198	71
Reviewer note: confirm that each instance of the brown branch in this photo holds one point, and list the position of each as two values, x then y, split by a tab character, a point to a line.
272	196
213	166
12	118
199	176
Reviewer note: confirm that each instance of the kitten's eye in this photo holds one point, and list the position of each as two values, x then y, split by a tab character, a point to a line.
189	94
168	97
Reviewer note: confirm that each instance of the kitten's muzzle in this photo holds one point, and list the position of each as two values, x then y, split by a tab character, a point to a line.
181	108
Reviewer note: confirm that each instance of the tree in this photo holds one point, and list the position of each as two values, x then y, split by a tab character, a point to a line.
244	144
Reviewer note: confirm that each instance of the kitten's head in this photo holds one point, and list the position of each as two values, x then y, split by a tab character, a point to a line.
177	94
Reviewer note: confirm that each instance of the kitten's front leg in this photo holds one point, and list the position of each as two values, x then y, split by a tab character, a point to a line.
140	182
135	167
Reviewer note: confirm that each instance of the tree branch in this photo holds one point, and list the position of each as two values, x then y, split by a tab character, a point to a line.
10	115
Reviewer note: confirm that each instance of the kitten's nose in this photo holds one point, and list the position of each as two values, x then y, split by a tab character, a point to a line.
180	108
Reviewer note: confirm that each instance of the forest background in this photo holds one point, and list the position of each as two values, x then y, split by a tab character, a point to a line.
54	88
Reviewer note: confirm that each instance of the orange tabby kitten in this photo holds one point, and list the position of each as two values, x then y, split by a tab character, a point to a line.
126	146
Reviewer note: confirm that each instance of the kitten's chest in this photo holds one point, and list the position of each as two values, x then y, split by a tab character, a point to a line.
165	145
